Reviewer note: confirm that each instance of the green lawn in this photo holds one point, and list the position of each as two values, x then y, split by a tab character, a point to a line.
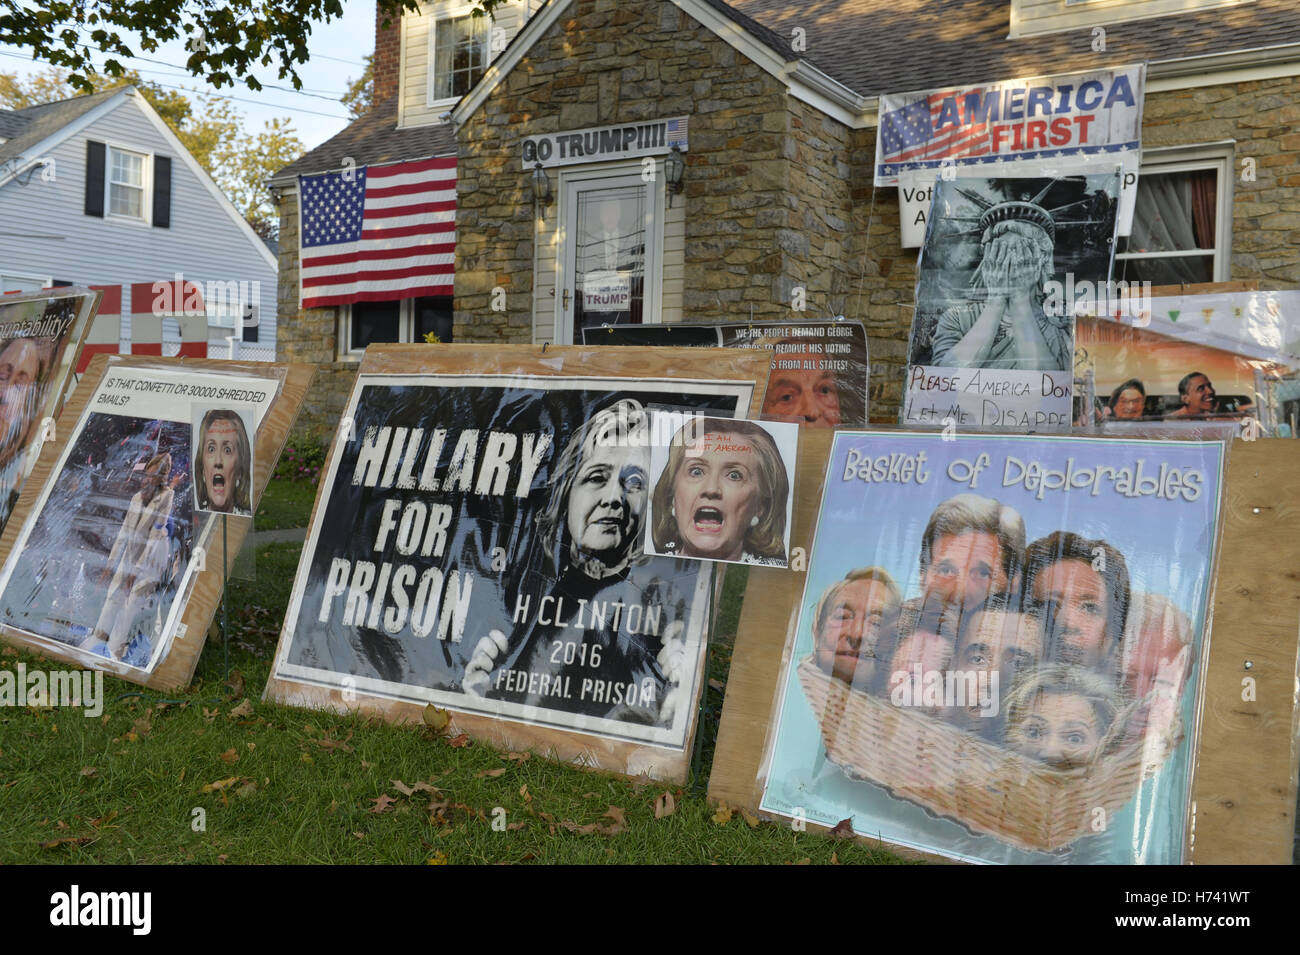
284	504
277	784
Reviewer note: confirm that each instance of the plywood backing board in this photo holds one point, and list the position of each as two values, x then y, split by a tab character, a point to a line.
1245	785
176	669
543	361
1247	761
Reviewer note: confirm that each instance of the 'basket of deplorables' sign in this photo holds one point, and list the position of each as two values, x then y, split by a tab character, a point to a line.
994	652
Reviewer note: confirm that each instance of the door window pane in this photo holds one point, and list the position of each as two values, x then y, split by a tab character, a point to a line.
609	270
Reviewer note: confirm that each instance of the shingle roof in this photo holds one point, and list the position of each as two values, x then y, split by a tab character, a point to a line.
374	138
30	126
881	46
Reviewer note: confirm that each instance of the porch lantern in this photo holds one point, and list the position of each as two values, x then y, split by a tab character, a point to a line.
674	168
541	185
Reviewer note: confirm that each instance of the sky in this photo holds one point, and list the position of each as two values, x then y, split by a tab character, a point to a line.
336	51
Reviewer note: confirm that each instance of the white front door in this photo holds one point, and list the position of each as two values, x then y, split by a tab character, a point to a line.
611	234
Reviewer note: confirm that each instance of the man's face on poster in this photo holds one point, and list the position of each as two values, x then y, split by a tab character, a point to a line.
1072	597
804	396
19	370
963	570
1010	643
1129	404
1200	396
850	631
607	498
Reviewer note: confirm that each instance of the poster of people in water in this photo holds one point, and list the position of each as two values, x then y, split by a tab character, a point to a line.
478	546
39	335
819	369
1005	263
106	557
1000	644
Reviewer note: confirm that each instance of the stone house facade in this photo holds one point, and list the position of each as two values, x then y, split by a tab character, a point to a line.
775	215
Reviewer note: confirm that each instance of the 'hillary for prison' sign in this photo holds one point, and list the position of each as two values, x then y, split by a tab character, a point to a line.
605	142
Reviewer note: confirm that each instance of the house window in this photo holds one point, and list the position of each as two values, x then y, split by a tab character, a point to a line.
126	183
459	56
408	320
1182	220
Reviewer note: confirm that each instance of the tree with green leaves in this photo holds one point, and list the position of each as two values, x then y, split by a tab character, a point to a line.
239	161
360	97
226	39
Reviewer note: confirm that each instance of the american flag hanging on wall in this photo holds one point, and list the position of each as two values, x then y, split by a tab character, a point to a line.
378	233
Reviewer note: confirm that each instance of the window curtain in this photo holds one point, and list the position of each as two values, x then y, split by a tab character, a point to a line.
1173	212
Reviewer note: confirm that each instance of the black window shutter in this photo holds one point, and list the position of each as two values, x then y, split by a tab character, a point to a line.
162	192
94	178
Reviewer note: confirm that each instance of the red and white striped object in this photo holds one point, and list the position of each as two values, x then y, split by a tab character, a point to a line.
378	233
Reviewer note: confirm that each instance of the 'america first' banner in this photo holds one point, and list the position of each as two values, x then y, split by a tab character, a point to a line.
1070	117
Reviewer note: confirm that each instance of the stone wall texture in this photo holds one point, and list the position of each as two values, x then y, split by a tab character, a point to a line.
778	196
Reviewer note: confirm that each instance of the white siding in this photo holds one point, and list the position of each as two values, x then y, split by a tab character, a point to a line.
416	52
1029	17
55	237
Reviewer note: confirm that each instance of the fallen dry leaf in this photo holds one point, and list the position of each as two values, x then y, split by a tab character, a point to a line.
230	756
723	815
512	826
67	841
61	825
459	742
518	757
524	794
835	859
247	789
842	829
402	788
382	803
665	805
242	710
804	861
219	785
438	858
436	719
333	744
88	770
210	715
612	828
235	684
715	685
751	820
490	773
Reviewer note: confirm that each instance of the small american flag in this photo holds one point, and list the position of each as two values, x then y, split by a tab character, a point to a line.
378	233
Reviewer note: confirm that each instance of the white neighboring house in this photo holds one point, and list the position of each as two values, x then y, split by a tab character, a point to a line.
97	190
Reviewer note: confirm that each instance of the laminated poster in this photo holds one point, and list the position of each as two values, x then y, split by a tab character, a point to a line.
1000	646
819	369
478	546
39	336
109	552
1005	264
